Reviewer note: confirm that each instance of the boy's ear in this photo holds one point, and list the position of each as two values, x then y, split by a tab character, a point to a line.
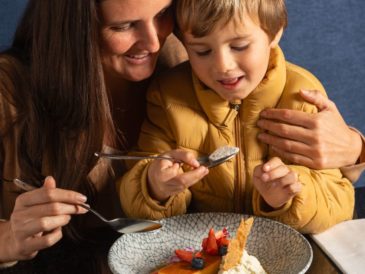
277	38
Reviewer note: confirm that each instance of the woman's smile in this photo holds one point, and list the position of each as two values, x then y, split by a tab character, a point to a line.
138	59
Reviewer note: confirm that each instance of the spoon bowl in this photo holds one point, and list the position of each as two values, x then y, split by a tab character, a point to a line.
126	225
219	156
121	225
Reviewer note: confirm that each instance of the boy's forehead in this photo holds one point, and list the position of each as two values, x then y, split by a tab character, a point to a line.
241	26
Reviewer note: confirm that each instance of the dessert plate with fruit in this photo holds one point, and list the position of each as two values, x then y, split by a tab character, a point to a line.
208	243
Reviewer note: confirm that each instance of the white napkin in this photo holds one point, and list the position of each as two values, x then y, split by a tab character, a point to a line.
344	243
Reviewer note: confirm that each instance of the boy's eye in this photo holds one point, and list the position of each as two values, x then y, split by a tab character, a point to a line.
203	52
239	48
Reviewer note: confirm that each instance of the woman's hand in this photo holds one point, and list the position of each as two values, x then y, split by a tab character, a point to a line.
166	178
37	219
276	183
319	141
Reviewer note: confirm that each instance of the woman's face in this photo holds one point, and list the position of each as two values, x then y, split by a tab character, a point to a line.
132	34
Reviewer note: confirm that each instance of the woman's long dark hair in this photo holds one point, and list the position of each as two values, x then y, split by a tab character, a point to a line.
62	106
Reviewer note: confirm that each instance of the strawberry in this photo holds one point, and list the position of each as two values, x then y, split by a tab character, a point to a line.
184	255
204	243
212	247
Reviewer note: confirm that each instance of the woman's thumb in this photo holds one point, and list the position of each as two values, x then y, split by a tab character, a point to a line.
49	182
316	98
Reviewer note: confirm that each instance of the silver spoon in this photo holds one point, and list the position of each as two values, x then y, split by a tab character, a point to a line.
122	225
220	155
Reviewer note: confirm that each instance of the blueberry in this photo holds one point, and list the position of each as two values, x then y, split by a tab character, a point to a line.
222	250
197	263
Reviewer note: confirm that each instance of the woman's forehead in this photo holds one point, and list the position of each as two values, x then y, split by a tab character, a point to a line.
131	10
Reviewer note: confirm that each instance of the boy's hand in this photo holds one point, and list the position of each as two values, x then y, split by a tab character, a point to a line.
276	183
166	178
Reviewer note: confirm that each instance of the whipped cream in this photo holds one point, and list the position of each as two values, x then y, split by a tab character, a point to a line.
248	264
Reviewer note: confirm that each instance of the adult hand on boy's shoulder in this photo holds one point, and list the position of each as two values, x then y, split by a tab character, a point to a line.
166	178
319	141
276	183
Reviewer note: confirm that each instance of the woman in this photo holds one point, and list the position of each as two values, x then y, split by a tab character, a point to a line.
56	111
73	83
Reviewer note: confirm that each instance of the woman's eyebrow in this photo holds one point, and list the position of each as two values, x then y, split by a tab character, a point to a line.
131	21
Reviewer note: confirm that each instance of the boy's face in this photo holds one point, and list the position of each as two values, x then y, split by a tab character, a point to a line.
233	59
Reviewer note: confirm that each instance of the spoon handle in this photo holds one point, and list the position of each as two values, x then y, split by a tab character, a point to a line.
129	157
94	212
23	185
203	160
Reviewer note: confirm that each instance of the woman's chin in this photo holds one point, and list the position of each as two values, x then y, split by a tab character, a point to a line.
138	76
140	72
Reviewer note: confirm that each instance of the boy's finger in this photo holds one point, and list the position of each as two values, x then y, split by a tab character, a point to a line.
289	179
293	189
184	156
257	172
272	164
275	174
187	179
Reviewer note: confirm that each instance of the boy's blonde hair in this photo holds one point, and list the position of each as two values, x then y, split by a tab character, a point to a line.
200	17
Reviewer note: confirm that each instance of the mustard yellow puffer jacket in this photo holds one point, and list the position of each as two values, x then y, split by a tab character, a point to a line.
183	113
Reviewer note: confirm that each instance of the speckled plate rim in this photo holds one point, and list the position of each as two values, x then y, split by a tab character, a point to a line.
111	258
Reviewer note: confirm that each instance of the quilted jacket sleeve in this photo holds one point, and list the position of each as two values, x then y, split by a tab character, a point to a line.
156	137
326	199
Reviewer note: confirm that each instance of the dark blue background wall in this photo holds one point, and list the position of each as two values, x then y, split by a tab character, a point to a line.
328	38
10	11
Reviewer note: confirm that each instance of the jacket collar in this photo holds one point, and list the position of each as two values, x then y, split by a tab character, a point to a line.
265	95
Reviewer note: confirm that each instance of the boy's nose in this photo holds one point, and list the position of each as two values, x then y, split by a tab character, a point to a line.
224	62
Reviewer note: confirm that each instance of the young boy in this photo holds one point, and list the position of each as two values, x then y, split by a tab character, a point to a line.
236	70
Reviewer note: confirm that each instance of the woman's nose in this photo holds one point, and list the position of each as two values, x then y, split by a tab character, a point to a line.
150	39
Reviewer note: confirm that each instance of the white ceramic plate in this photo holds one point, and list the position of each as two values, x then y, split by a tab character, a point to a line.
279	248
